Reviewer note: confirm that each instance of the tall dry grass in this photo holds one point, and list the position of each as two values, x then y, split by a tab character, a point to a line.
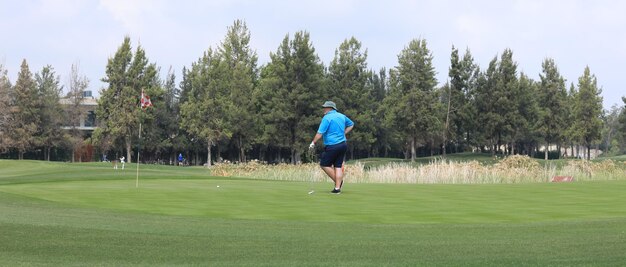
513	169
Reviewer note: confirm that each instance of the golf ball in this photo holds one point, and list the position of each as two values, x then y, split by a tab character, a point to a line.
218	186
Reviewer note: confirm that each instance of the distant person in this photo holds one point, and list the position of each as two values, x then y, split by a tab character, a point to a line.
180	159
333	129
122	161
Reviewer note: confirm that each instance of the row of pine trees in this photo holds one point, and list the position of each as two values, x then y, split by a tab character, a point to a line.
32	116
226	106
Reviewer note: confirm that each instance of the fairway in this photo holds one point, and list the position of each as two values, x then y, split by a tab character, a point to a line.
87	214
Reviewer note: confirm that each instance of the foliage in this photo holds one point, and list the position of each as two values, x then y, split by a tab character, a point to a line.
118	111
487	95
289	95
588	110
238	78
51	114
412	106
5	109
462	110
622	125
201	113
353	94
172	137
552	102
239	110
25	112
610	131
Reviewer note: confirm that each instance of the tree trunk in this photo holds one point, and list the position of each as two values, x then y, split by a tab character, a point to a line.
445	130
218	158
262	153
588	152
48	153
128	150
545	153
298	158
351	152
242	152
20	155
432	147
197	157
412	148
467	140
73	155
512	147
208	160
443	149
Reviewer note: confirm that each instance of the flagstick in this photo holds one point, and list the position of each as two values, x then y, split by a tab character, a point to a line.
138	147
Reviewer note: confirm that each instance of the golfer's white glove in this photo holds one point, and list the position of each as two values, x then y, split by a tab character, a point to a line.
312	145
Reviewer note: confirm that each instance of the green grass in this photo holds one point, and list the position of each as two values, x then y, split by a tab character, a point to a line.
87	214
621	158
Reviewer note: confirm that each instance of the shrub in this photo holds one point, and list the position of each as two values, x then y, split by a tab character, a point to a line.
512	169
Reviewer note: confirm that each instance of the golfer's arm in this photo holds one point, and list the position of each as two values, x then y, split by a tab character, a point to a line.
317	137
348	129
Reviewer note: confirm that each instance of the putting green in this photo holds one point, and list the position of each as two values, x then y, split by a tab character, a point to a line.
362	203
87	214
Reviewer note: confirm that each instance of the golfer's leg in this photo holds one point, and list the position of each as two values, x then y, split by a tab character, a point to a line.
330	171
338	177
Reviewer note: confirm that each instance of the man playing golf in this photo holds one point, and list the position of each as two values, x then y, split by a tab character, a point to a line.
333	129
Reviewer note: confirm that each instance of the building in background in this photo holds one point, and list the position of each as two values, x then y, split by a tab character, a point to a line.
81	123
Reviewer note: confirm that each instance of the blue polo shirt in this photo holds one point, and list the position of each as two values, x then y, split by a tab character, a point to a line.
333	126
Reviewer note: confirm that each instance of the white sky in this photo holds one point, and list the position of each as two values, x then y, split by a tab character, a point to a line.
175	33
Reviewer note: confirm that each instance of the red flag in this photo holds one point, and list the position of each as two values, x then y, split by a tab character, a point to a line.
145	100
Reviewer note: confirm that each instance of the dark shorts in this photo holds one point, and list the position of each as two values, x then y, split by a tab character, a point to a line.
333	155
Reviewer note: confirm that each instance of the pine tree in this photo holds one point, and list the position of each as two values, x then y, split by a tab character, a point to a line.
526	104
5	109
169	117
552	105
118	107
383	142
51	113
289	96
348	77
588	110
461	91
571	135
238	75
610	138
513	101
202	113
622	126
413	104
25	114
487	96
